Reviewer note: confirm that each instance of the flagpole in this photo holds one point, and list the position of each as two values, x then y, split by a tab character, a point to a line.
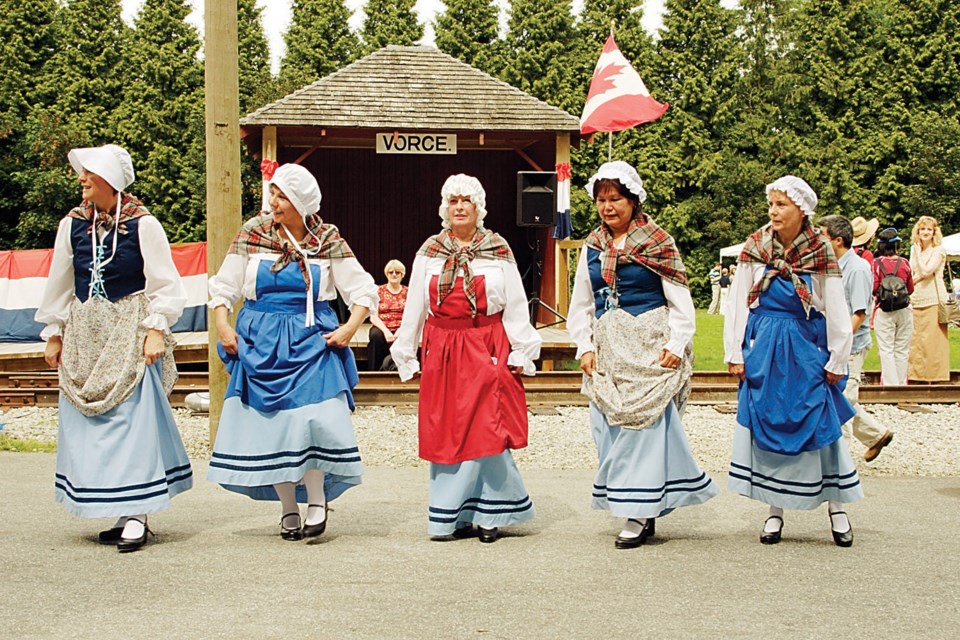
613	27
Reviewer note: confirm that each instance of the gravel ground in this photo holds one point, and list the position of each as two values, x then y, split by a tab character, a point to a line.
927	442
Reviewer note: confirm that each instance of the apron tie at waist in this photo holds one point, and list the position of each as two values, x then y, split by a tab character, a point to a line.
291	307
480	320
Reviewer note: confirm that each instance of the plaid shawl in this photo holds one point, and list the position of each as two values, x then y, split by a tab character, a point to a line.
485	244
130	208
646	244
262	235
808	254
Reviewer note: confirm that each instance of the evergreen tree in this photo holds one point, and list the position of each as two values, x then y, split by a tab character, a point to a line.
81	85
469	30
844	123
637	47
319	42
26	43
161	119
390	22
696	72
927	76
541	48
257	86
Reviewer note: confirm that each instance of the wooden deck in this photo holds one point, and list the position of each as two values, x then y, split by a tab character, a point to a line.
192	348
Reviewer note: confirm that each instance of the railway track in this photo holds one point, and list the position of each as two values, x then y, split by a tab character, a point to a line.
547	388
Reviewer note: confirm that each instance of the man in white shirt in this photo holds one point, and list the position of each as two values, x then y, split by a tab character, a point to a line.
858	288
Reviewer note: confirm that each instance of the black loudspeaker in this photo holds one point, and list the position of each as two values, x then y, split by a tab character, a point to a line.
536	198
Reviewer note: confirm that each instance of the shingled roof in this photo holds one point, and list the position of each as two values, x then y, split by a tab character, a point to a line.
413	88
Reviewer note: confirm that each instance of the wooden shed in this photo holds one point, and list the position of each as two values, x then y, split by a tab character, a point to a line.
382	134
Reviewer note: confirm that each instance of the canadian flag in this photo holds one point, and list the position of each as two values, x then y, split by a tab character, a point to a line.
618	99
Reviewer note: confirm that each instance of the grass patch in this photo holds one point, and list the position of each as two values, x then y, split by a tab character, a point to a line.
708	346
9	443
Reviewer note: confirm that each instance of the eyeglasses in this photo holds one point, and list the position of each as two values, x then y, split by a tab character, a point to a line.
394	271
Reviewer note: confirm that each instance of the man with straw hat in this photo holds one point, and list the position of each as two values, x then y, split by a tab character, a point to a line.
863	232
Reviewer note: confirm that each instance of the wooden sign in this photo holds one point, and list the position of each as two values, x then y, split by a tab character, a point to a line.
423	143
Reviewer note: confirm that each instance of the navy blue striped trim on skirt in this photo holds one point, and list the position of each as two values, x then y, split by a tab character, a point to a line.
351	454
600	491
829	481
64	484
480	505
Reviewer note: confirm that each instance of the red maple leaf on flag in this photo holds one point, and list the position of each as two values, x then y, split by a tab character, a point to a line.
615	106
603	80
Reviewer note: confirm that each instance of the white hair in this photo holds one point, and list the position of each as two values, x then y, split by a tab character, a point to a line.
463	185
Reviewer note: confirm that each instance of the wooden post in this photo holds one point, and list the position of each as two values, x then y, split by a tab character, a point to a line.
559	289
222	90
268	151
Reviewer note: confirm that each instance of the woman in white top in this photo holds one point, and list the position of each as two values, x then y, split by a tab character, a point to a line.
285	431
632	319
112	295
466	298
929	359
787	337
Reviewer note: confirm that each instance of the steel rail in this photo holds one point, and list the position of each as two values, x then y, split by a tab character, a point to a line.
547	388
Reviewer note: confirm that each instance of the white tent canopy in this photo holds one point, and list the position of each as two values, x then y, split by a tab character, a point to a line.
734	251
952	246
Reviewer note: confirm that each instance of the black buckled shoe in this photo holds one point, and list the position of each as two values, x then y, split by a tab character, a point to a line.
313	530
110	536
771	537
488	535
287	533
841	538
126	545
632	542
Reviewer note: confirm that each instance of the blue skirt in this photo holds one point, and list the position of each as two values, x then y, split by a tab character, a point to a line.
255	450
127	461
646	473
801	481
487	492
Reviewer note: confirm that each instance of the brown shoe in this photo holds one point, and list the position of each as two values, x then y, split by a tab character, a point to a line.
875	450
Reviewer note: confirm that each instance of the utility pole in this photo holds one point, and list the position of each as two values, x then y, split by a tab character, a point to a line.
222	89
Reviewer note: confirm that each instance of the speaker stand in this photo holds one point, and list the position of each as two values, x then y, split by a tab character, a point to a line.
534	272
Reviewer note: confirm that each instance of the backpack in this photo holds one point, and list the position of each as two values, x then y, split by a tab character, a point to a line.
892	294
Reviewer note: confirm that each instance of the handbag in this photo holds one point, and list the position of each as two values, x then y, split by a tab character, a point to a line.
946	308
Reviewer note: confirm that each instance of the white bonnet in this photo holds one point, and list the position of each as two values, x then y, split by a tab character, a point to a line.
463	185
797	190
110	162
619	170
300	188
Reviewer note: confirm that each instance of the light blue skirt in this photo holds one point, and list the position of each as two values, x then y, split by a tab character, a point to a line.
646	473
127	461
801	481
255	450
487	492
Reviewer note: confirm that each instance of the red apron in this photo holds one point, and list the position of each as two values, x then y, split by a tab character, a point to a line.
471	406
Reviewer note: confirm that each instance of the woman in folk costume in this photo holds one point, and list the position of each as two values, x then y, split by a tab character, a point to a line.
632	319
111	298
787	336
285	430
467	299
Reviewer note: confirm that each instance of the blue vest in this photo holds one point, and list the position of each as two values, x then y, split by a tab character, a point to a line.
121	276
638	288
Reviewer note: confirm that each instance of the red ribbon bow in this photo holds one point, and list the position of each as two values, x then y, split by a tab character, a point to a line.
563	171
268	168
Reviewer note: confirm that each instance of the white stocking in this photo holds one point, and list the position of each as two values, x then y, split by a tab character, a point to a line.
317	512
